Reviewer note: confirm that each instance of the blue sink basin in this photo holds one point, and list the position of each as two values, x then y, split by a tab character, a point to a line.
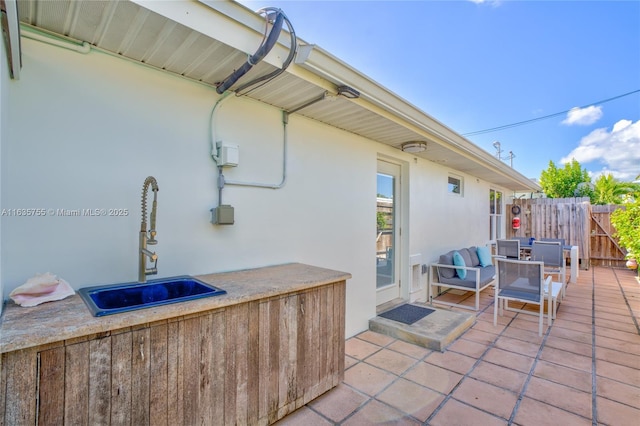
116	298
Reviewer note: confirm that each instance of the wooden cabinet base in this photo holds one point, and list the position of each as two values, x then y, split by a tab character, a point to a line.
250	363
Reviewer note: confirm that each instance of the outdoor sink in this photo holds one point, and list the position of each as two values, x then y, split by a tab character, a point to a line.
116	298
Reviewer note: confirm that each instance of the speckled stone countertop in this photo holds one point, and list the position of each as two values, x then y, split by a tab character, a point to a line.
22	328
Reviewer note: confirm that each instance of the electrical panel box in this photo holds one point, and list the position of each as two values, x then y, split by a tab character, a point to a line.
222	215
229	154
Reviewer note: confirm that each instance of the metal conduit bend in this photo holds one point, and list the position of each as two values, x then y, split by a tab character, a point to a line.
262	51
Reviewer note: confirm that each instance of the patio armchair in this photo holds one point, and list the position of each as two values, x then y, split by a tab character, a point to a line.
520	281
508	248
551	254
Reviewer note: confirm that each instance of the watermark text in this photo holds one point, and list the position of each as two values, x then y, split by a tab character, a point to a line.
58	212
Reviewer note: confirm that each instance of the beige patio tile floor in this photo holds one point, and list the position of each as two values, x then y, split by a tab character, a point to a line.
585	369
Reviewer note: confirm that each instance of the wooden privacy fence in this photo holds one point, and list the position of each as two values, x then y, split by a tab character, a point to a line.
567	218
574	219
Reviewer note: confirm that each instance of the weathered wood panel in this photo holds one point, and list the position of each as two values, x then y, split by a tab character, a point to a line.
121	352
253	360
191	370
51	410
236	326
76	384
251	363
326	337
99	381
302	357
217	364
200	392
206	362
240	351
270	353
339	311
287	386
175	368
140	377
313	348
19	387
158	385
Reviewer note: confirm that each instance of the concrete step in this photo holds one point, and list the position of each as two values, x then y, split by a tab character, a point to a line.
435	331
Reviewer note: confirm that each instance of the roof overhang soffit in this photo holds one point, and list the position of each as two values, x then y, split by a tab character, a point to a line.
240	28
232	24
384	103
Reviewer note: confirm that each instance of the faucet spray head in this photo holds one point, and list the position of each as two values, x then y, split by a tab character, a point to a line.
149	181
148	237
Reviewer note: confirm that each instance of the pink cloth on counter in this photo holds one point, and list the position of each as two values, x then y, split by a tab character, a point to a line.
41	288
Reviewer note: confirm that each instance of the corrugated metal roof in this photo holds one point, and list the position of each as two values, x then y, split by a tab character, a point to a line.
161	40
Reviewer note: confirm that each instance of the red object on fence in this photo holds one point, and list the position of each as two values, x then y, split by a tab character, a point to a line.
515	223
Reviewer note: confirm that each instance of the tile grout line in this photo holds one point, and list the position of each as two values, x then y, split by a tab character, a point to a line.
465	376
351	387
401	376
492	345
594	376
531	370
371	398
418	360
521	394
535	363
626	301
594	384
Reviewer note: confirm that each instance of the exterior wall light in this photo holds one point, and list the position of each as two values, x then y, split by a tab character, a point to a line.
414	147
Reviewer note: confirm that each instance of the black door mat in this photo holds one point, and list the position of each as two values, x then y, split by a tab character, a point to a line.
406	314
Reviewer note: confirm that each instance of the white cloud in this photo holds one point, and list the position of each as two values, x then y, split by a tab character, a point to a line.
583	116
618	150
494	3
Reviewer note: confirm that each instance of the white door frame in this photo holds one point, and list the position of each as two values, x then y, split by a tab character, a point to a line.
400	289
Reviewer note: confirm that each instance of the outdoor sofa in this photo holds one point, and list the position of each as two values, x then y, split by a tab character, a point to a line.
471	269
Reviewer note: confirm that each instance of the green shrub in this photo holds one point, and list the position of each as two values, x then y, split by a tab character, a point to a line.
627	224
381	220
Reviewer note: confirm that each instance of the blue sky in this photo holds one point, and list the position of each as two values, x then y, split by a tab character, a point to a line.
476	65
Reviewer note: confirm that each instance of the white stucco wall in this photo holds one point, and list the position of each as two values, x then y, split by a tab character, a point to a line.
440	221
455	221
85	131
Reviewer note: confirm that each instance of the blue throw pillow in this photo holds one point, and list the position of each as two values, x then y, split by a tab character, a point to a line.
484	255
458	260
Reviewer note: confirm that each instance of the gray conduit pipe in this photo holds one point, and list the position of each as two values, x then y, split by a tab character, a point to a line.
222	181
214	152
262	51
84	48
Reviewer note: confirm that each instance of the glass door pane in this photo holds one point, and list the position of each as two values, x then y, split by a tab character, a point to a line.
388	232
385	238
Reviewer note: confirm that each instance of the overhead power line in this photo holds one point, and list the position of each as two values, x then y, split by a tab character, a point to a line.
520	123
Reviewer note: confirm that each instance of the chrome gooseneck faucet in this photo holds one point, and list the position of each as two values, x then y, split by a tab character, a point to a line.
143	253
